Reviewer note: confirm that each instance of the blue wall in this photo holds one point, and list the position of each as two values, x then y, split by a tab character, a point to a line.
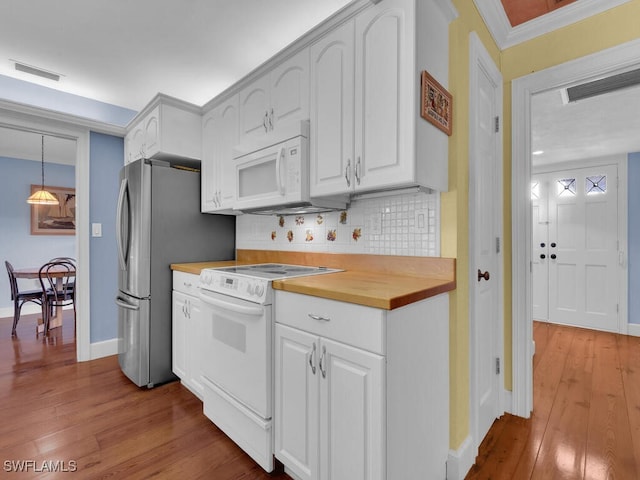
44	97
18	246
107	157
634	237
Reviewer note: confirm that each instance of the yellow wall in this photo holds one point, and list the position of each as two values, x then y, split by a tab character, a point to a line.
605	30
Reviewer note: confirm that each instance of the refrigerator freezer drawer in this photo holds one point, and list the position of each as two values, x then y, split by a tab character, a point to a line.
133	338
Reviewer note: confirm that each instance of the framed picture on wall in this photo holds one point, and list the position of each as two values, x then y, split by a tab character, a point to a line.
55	219
436	104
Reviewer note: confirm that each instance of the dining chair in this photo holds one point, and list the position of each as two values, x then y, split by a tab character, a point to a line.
20	297
58	280
72	261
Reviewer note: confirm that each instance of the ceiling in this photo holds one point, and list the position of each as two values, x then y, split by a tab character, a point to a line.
123	52
194	49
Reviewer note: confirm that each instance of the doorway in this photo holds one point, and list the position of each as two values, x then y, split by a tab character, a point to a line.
599	65
11	117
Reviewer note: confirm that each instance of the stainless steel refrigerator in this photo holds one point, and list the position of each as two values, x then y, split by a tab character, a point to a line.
159	223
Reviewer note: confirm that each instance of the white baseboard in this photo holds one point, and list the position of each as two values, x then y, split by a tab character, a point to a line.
104	349
461	460
633	329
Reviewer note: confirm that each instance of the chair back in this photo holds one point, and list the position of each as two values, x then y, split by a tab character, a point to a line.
57	279
12	280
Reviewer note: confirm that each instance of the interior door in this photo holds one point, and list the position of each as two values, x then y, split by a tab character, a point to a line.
583	248
540	250
485	213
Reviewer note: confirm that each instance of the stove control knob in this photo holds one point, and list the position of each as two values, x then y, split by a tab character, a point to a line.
206	278
250	289
259	290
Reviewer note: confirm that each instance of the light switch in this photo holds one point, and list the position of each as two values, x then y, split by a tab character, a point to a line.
96	229
421	223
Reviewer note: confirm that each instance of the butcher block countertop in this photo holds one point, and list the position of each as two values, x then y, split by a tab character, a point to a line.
379	281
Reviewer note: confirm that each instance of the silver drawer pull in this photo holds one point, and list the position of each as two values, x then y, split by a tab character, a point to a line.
319	318
187	284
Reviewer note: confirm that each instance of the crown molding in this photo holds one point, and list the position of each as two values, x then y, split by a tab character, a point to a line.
507	36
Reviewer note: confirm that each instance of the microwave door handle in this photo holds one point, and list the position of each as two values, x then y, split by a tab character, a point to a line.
279	161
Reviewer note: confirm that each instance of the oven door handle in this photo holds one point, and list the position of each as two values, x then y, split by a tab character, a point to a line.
232	307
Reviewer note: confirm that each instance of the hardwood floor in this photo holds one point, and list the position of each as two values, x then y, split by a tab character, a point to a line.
62	415
586	417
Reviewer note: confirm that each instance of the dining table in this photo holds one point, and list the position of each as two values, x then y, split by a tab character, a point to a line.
59	272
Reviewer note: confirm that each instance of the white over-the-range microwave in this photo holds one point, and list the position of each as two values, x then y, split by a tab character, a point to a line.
272	174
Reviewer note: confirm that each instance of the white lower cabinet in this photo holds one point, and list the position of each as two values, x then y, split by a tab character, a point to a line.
361	393
187	332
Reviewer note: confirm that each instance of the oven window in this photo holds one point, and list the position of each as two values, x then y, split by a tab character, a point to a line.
230	333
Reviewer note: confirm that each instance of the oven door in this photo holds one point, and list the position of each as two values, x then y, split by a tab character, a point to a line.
237	351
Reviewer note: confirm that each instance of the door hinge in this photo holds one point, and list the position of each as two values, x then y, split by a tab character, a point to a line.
497	365
497	244
497	120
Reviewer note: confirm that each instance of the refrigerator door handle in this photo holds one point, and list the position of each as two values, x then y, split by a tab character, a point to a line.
122	302
122	255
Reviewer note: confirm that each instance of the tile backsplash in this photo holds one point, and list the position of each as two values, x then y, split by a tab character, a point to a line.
403	224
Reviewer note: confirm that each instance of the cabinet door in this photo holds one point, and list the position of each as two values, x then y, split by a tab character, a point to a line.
352	413
219	136
195	336
331	110
289	90
384	111
254	106
178	335
296	401
134	142
152	133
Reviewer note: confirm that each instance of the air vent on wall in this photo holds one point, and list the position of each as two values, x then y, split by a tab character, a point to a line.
604	85
22	67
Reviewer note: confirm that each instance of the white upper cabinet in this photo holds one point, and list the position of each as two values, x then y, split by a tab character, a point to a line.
281	94
219	136
367	133
331	112
385	94
166	128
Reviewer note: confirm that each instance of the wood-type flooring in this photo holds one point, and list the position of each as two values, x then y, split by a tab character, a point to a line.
63	419
586	412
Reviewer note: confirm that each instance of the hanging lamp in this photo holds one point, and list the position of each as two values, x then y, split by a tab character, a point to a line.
42	197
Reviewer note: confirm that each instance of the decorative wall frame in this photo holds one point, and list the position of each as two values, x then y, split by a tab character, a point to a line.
55	219
436	103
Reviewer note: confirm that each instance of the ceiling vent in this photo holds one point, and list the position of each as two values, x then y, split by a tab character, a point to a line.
22	67
604	85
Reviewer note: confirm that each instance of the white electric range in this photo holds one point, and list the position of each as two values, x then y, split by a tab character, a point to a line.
237	307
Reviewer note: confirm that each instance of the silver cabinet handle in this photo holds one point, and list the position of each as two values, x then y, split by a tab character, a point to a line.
319	318
271	119
265	121
312	356
347	172
358	171
323	370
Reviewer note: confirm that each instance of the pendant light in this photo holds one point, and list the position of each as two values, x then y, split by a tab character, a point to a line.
42	197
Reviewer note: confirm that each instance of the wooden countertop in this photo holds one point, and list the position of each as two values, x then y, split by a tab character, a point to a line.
365	288
378	281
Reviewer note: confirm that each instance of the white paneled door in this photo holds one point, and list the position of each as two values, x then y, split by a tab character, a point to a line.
575	266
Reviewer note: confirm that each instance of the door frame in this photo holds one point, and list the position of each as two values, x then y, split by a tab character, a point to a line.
625	56
480	60
27	118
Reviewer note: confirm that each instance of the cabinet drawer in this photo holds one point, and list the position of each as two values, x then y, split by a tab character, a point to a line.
356	325
185	282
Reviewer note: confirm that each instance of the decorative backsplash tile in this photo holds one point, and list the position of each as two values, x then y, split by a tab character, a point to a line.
406	224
